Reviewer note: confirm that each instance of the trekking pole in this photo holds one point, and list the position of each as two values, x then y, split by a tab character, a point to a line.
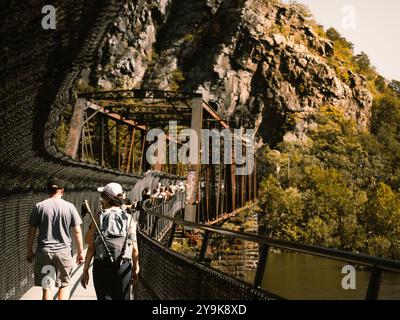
99	232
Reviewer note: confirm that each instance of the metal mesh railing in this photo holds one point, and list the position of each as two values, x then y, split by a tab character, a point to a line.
16	274
35	88
166	207
166	274
169	275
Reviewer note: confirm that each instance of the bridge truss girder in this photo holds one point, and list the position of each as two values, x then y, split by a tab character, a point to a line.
214	191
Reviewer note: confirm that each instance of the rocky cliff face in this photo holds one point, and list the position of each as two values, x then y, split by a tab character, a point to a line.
259	63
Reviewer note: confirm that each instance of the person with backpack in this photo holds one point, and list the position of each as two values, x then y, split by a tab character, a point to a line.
112	243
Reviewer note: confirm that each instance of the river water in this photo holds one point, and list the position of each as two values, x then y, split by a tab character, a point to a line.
302	276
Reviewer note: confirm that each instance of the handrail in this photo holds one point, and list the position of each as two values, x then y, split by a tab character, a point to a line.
167	207
377	265
381	263
200	265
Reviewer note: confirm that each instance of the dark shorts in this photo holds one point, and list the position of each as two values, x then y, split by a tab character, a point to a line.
53	269
111	280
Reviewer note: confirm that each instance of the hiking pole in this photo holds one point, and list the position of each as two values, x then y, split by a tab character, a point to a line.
99	232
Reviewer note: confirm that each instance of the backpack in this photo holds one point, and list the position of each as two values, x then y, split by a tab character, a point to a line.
114	225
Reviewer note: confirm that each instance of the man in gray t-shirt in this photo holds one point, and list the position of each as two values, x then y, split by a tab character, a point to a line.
55	218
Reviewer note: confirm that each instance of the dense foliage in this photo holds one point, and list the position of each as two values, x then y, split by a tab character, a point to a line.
341	188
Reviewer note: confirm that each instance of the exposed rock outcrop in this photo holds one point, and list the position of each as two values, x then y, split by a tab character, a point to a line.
260	64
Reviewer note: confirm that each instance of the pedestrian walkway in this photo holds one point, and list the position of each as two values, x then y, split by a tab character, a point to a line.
80	293
77	291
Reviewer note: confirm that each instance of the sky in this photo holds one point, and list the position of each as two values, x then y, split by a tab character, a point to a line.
373	26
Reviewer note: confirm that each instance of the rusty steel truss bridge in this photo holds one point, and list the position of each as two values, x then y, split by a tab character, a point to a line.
107	142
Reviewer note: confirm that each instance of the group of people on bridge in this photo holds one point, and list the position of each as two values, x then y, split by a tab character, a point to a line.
111	242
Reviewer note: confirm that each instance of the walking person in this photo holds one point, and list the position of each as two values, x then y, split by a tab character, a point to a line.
55	218
114	249
142	212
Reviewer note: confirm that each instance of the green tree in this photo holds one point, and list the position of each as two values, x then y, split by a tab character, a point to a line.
386	126
363	66
332	208
382	222
338	40
283	211
380	84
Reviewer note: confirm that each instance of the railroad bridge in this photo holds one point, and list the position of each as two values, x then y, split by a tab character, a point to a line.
38	73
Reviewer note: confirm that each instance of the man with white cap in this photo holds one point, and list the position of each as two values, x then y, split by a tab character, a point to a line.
115	251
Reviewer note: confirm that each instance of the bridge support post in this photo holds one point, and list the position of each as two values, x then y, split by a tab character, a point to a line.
262	262
75	129
374	284
192	183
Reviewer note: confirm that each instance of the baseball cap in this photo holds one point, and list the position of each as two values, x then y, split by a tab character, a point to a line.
113	189
55	184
